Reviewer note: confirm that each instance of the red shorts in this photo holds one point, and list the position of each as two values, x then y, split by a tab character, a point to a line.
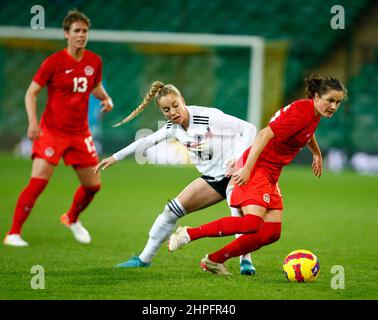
262	189
77	150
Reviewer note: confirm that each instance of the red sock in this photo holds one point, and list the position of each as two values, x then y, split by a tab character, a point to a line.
82	198
25	203
269	233
227	226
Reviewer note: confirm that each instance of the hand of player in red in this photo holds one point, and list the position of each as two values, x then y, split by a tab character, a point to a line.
107	105
33	131
241	176
107	162
317	165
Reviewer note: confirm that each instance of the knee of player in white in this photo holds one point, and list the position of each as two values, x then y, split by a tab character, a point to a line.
174	209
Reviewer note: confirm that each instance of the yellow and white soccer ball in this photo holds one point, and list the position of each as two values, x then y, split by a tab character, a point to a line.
301	266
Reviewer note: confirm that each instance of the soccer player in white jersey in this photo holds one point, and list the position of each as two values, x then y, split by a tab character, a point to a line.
213	139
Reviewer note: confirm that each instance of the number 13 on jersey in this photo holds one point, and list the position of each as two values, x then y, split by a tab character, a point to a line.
80	84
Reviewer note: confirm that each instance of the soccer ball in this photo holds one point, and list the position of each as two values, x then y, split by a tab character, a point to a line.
301	266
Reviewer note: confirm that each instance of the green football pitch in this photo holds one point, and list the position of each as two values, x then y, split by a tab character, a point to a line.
336	217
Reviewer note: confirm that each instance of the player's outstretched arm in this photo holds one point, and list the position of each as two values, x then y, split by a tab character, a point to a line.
141	144
107	162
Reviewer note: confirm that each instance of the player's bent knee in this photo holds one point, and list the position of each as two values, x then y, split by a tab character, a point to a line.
169	214
92	190
273	238
274	233
166	221
252	223
174	209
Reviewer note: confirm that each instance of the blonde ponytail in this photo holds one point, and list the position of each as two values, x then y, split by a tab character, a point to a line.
155	87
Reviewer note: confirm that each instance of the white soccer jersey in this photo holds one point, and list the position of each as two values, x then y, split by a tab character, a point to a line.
212	139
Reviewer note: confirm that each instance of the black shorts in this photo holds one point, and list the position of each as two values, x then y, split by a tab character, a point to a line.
219	186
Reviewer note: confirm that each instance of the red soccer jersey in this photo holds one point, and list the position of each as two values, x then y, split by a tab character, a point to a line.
69	84
293	127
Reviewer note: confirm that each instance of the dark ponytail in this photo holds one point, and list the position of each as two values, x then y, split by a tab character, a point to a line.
317	84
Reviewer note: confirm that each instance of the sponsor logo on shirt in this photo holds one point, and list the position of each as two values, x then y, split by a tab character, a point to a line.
68	71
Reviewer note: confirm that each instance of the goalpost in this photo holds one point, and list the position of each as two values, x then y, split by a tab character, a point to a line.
254	43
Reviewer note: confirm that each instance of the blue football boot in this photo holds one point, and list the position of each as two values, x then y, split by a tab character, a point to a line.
247	268
134	262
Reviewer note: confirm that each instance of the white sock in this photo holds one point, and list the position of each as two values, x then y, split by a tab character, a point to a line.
162	229
236	212
150	250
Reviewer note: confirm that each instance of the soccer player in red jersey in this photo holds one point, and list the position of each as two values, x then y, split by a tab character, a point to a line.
70	76
256	189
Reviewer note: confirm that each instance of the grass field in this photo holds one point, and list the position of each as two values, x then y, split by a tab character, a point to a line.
335	217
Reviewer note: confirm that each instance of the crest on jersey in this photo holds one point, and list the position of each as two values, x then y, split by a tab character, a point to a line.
88	70
49	152
266	197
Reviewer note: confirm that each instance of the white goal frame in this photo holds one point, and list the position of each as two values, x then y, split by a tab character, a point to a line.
255	43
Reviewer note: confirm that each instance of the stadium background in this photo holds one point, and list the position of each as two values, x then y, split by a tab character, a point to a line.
299	41
209	76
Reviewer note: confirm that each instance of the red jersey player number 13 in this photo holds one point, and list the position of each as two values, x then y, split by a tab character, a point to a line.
70	76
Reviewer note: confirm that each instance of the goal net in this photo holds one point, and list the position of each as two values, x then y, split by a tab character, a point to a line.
222	71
